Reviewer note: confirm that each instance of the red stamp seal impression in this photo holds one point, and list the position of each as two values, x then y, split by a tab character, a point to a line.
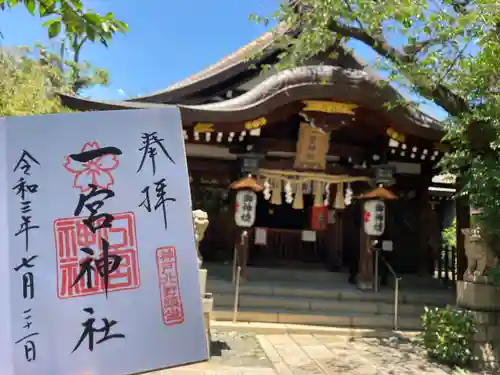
71	234
170	293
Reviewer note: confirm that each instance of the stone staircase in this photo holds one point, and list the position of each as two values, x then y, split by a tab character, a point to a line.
322	298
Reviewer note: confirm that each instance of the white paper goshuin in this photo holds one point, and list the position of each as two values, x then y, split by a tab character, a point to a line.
99	271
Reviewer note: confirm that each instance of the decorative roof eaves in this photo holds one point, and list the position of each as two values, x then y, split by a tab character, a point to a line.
311	82
222	70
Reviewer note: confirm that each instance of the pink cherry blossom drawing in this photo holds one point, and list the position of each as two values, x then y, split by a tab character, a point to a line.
96	172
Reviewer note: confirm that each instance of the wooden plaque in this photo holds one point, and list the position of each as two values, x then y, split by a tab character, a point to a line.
312	148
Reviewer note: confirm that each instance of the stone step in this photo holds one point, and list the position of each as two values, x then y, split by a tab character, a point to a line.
353	320
319	276
281	329
305	290
325	305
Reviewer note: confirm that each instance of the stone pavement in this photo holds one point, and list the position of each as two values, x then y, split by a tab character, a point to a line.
310	354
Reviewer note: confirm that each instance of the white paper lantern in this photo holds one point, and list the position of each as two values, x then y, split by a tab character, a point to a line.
374	217
245	208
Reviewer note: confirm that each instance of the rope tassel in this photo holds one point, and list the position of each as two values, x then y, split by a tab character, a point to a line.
339	203
318	193
298	202
276	193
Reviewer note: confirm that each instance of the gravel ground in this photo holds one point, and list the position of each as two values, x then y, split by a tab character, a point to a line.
235	353
389	356
237	349
360	356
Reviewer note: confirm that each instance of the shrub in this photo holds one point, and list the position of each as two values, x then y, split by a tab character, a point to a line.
460	371
447	335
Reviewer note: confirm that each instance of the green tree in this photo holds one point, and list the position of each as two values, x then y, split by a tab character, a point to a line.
28	86
79	26
444	50
75	74
73	19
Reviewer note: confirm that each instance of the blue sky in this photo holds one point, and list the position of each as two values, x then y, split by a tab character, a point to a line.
168	40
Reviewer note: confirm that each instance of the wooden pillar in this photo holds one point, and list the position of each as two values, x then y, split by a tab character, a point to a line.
424	211
365	273
333	238
425	227
339	240
463	221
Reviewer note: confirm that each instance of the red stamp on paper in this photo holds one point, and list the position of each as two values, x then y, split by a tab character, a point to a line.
71	235
170	293
96	171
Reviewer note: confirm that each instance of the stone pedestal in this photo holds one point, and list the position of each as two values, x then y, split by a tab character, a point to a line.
482	301
208	304
476	296
200	223
203	281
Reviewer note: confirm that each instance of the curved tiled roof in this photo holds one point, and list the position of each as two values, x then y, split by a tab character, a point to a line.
228	66
300	80
292	85
255	46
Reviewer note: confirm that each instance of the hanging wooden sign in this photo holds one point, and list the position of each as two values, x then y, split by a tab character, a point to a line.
312	148
319	217
245	208
374	217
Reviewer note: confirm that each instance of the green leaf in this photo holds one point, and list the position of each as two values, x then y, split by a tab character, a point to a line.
50	22
91	34
54	29
77	4
93	18
46	8
30	5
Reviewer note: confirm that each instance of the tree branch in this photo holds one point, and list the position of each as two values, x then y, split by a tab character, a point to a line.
440	94
412	49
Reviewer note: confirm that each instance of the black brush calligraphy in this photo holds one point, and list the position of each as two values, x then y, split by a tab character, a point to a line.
151	142
160	200
26	190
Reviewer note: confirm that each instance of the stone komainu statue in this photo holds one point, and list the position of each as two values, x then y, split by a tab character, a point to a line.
480	256
200	223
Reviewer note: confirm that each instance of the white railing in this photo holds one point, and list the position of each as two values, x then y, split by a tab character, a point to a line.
236	294
397	280
236	282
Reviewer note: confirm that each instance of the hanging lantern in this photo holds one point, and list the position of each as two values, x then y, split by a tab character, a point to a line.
245	208
374	217
246	201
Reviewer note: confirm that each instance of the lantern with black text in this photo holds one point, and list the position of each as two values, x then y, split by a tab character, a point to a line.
245	208
374	217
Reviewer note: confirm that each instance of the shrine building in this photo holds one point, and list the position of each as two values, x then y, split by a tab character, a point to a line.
315	137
